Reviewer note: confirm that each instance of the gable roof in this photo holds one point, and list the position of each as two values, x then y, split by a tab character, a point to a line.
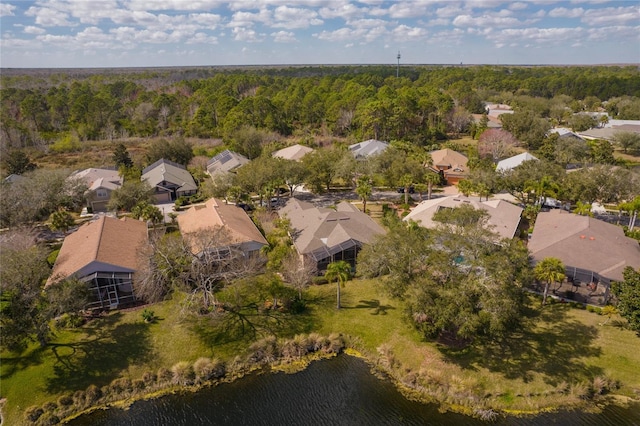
368	148
99	178
168	171
584	242
504	217
293	152
448	158
106	244
225	162
215	213
319	232
513	162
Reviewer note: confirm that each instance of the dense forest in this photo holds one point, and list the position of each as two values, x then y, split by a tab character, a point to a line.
58	109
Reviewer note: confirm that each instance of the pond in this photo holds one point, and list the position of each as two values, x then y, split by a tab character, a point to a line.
338	391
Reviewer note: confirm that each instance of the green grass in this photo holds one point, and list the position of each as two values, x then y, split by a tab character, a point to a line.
558	344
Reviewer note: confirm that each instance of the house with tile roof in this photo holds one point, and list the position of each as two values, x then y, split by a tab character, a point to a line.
103	254
504	217
170	180
226	162
293	152
228	224
325	235
450	164
592	250
513	162
368	148
100	183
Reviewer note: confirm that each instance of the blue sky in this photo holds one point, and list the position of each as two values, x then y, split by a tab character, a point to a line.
143	33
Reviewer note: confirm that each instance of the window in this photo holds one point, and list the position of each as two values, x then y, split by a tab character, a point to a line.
101	193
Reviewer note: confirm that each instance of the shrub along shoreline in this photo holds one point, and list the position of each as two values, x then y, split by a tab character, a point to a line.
291	356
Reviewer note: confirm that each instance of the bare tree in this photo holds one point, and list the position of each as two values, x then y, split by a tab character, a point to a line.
297	273
496	144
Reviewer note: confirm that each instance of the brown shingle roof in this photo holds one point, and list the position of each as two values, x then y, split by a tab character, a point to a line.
215	213
584	242
104	245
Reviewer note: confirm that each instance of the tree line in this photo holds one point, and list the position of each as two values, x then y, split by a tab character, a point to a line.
422	106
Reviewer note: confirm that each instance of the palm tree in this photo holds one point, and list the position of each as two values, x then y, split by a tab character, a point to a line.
549	270
583	209
339	271
364	189
608	311
632	207
431	178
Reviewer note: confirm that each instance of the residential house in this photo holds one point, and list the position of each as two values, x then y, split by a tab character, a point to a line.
238	230
593	251
169	180
450	164
100	183
504	217
105	255
513	162
492	121
226	162
325	235
368	148
293	152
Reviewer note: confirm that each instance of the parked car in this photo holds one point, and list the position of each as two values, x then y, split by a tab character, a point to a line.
412	190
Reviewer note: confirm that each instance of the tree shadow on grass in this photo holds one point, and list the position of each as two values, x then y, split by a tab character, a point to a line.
248	325
14	362
110	348
375	305
549	343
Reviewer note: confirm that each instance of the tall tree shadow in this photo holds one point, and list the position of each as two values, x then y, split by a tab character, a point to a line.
248	324
109	349
374	304
549	343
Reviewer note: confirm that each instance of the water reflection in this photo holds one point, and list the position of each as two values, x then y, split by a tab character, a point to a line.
339	391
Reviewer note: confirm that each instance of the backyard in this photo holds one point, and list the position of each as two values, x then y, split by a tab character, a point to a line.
545	365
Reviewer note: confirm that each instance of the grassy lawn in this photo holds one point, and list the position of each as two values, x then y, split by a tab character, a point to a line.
558	344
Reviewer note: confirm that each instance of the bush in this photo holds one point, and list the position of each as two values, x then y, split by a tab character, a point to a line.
93	393
148	315
149	378
69	321
164	375
121	386
67	143
50	406
207	369
138	385
32	414
65	400
48	419
183	373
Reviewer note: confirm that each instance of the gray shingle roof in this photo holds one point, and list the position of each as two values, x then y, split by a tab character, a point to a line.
168	171
368	148
318	231
226	161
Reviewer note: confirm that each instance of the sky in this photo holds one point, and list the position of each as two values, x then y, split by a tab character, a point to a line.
155	33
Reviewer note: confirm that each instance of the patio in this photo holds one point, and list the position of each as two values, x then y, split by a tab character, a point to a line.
579	286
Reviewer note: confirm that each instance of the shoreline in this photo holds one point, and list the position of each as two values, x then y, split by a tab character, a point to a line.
383	373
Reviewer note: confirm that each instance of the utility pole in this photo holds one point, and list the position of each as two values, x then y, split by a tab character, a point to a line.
398	67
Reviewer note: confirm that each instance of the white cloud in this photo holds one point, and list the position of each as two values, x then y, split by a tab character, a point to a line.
541	36
367	23
563	12
293	18
406	33
340	35
283	37
175	4
518	6
485	21
442	22
48	17
202	38
345	11
246	34
6	9
248	19
611	16
30	29
615	33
